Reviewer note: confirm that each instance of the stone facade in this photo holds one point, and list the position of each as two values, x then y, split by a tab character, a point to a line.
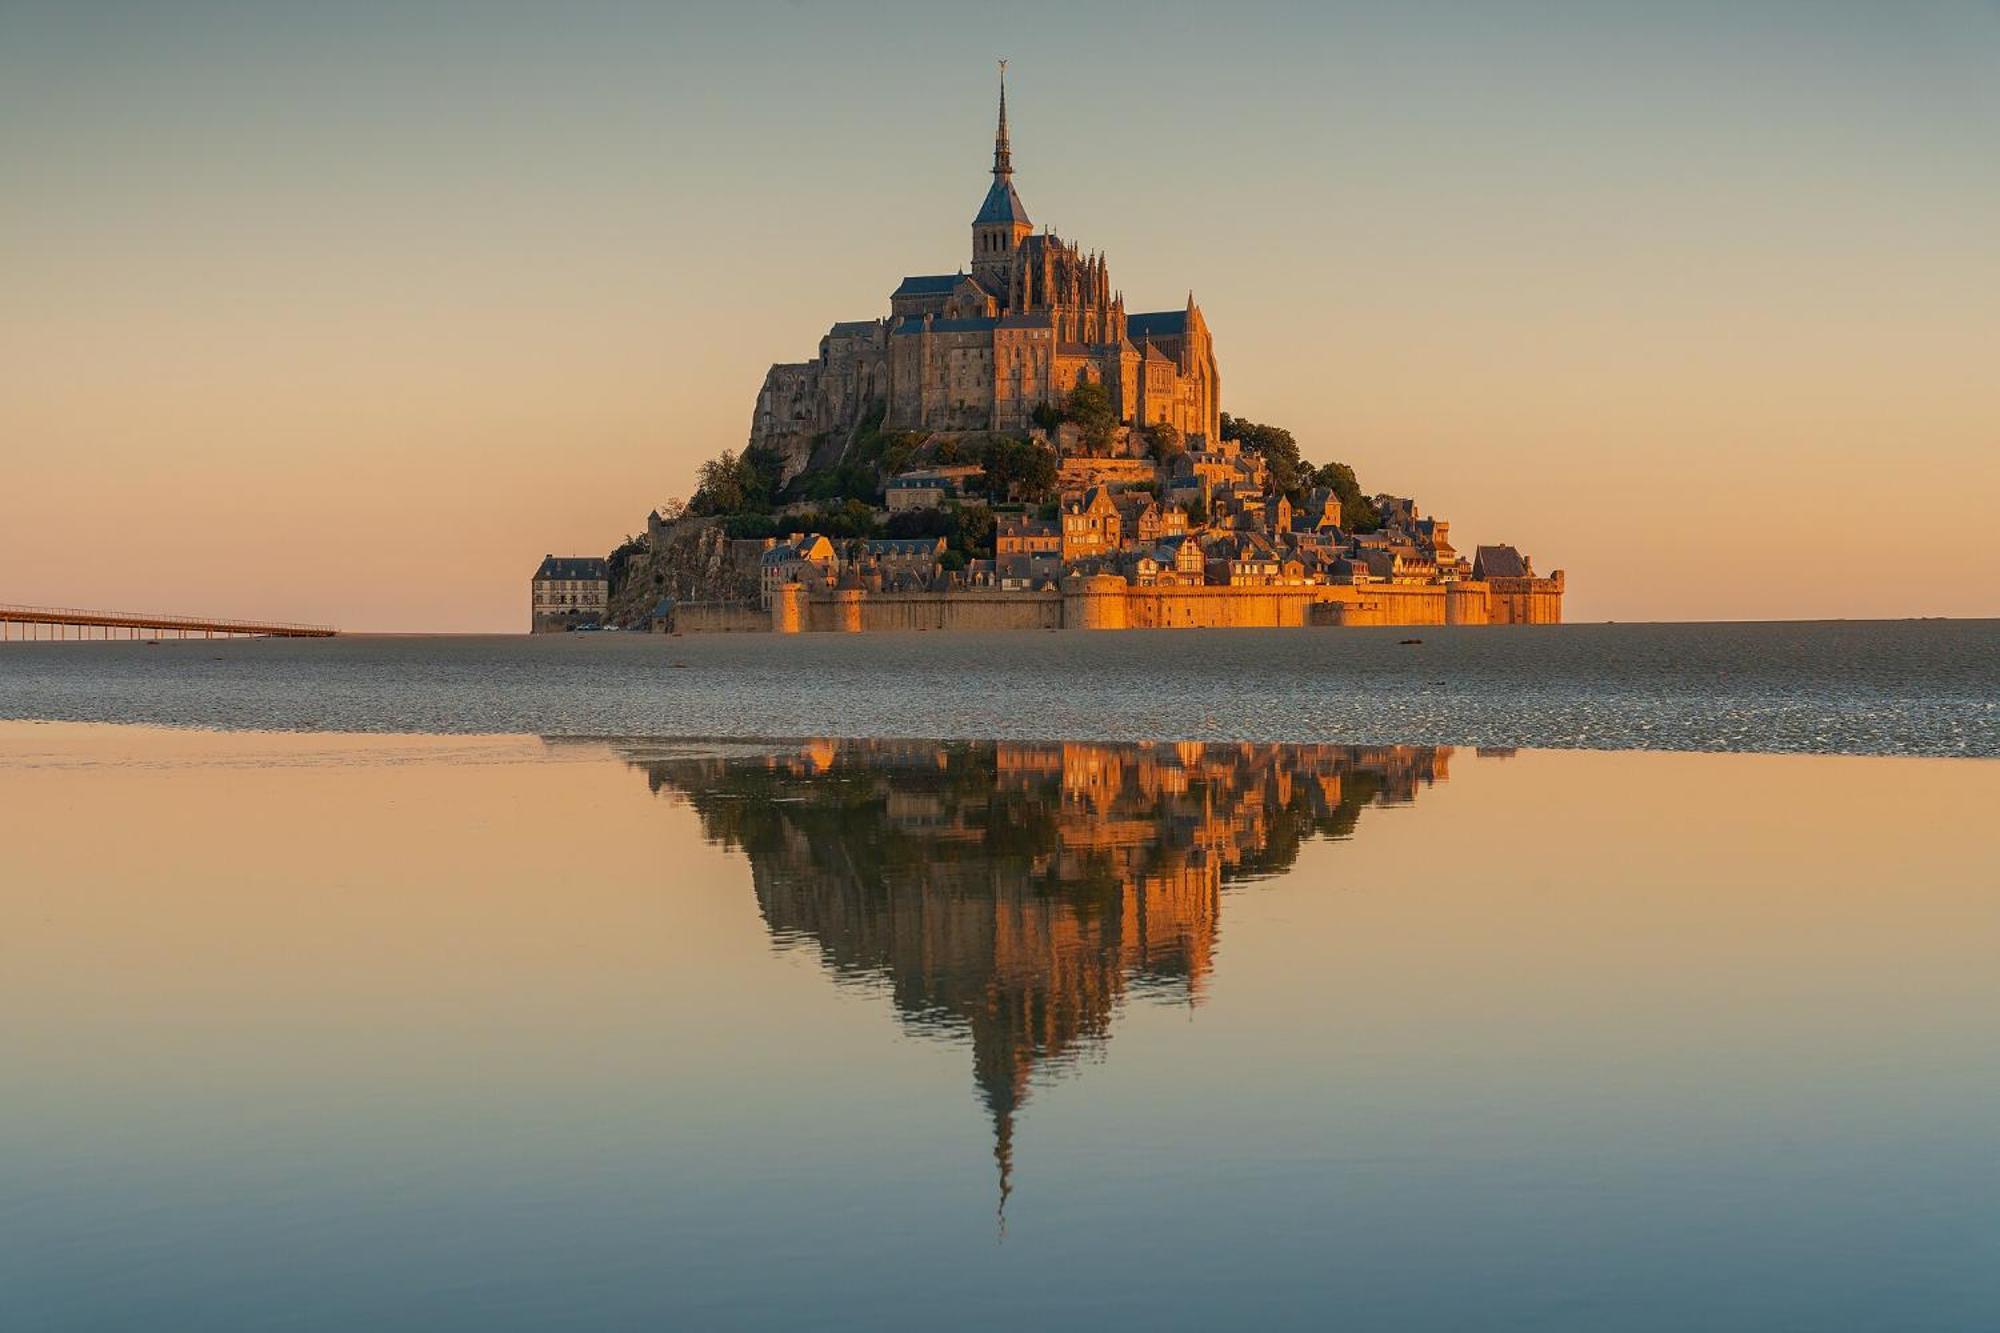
568	591
979	351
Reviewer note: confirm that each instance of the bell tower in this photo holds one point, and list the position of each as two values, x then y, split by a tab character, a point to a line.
1002	223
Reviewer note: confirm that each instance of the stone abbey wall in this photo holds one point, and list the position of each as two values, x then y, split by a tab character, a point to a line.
1108	602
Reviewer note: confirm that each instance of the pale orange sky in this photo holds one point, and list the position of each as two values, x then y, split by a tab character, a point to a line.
351	317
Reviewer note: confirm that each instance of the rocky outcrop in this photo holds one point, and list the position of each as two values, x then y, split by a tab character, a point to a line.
691	560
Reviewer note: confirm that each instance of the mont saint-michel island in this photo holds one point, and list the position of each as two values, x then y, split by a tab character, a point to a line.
1010	448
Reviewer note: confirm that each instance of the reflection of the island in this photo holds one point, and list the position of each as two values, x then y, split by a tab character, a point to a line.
1016	892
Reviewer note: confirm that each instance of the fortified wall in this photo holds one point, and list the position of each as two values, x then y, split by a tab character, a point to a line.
1109	602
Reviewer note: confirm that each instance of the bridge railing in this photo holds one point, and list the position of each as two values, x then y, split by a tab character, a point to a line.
17	613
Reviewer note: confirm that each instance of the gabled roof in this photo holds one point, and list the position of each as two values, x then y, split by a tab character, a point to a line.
854	328
574	567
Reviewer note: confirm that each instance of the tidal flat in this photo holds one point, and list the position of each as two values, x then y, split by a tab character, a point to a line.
1916	687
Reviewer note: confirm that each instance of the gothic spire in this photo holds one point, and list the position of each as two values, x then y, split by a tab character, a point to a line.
1002	204
1003	153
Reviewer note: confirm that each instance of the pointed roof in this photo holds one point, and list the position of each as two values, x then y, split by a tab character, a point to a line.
1500	562
1002	204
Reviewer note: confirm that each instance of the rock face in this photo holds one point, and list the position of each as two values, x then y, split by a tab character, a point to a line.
691	560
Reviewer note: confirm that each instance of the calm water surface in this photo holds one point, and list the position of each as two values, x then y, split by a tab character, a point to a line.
473	1032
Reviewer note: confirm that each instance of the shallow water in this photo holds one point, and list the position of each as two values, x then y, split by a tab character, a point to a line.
1884	687
489	1032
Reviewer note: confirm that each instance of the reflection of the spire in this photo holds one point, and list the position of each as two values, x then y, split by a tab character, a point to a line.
1011	893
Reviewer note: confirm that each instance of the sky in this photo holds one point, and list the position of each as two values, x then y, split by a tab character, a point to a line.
349	313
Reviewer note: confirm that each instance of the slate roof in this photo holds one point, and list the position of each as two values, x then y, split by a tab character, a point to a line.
854	328
1158	324
1499	562
927	284
574	567
1022	525
1002	204
903	545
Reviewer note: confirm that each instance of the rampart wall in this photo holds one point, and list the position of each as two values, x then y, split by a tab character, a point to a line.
719	618
1108	602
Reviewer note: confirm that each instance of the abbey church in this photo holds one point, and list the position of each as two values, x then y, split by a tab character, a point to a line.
1028	320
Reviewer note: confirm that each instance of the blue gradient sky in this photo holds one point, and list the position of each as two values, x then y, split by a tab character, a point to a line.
352	312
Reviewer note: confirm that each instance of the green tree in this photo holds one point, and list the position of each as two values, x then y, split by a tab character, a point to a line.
1089	407
754	526
1019	470
1357	511
733	483
1280	452
719	485
921	523
974	537
1164	442
854	518
762	469
621	561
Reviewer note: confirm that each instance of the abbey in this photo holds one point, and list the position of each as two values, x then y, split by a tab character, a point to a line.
1031	318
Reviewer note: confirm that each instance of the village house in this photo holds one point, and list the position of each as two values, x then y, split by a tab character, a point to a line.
798	559
902	560
1319	513
1146	521
568	592
927	488
1091	525
1399	564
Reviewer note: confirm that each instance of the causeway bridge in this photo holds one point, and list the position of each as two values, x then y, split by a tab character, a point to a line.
68	622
